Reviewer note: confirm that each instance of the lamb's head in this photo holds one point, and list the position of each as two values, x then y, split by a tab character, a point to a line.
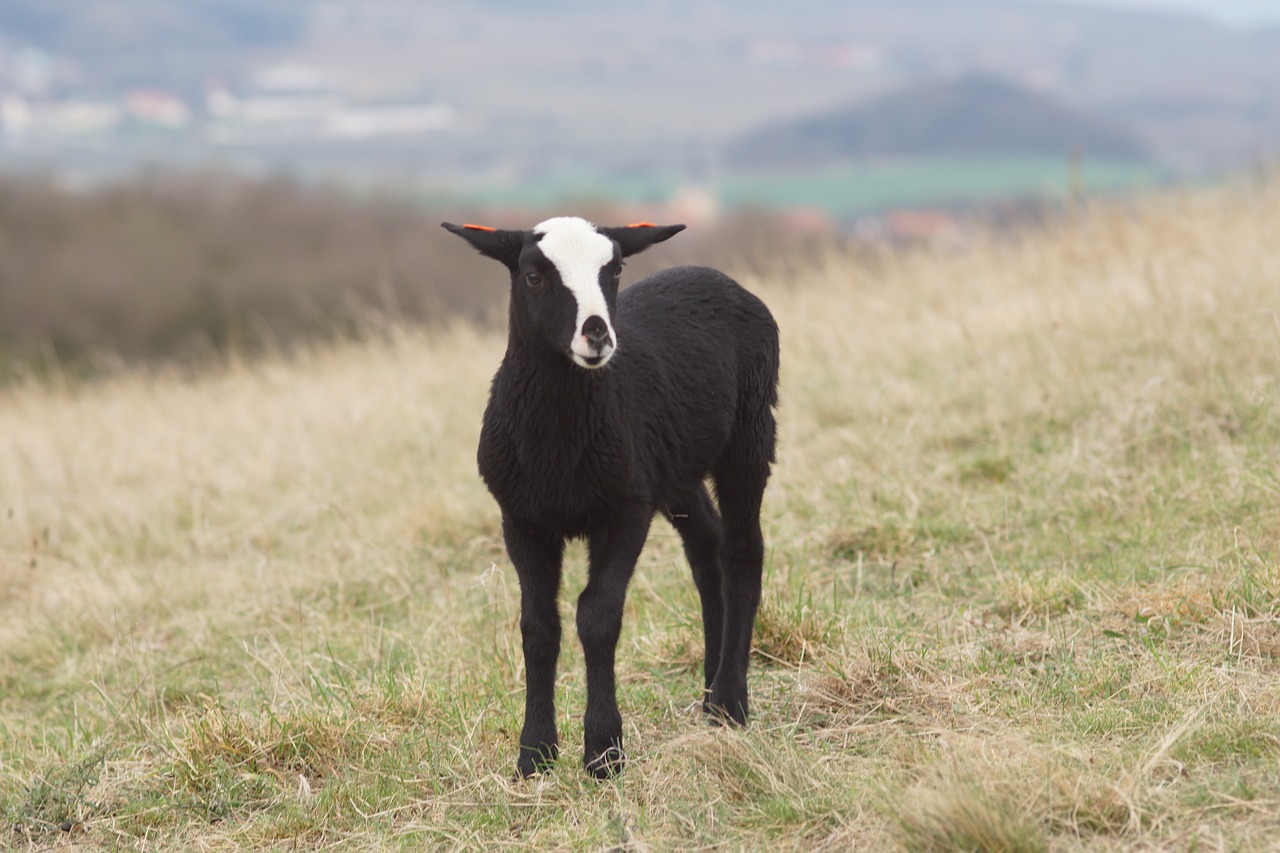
564	280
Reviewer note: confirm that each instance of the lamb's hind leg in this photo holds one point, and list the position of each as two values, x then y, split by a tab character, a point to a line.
612	552
698	524
740	483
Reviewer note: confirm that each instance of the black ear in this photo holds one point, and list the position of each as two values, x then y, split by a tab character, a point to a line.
640	236
502	246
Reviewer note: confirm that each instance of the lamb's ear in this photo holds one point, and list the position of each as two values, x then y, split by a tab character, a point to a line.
640	235
502	246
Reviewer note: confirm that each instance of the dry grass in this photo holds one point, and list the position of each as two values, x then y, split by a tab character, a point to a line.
1023	591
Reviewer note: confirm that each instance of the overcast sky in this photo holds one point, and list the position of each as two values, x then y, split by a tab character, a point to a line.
1226	11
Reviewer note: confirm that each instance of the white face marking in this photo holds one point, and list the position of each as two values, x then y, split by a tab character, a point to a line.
579	252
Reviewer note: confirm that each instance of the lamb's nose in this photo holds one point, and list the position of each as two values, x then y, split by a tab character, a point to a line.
596	331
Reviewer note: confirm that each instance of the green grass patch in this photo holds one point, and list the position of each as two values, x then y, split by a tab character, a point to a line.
849	190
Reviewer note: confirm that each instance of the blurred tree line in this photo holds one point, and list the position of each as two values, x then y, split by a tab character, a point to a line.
188	267
177	267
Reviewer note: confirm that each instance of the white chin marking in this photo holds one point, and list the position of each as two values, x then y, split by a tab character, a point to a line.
592	362
579	252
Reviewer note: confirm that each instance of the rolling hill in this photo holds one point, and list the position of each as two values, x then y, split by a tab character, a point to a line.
971	116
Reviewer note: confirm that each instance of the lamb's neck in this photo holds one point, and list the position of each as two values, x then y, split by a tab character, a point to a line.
548	393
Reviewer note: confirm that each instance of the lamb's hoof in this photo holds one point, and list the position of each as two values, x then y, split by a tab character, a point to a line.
606	764
730	713
536	759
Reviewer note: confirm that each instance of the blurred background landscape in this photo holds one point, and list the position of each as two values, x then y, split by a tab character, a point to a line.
1023	585
181	178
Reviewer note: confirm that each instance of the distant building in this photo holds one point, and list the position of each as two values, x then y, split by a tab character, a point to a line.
387	121
693	204
76	117
912	226
157	108
15	115
295	104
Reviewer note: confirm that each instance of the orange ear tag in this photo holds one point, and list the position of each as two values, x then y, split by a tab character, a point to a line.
479	227
642	225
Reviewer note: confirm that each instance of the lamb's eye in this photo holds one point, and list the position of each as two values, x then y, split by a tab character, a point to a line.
532	278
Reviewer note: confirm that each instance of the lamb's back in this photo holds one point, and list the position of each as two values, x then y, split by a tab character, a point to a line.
691	343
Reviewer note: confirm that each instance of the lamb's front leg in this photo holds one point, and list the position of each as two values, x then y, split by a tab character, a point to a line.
613	550
537	558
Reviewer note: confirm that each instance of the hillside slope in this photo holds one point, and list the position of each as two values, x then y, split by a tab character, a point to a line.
972	116
1023	588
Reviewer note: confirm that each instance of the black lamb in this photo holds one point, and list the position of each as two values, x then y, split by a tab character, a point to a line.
610	407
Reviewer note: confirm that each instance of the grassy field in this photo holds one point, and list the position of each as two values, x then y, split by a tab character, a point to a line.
1023	585
849	191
